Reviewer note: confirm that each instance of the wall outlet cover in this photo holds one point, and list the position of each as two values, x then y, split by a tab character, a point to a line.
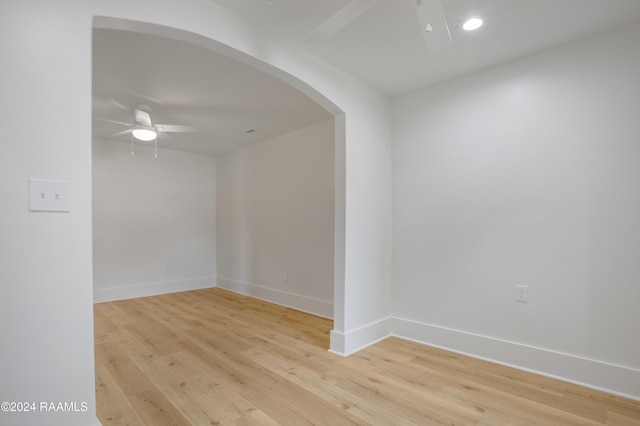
522	293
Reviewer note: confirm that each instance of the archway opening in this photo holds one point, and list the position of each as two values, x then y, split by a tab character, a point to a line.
150	30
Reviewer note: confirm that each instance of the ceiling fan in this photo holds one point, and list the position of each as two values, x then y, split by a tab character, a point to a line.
143	129
430	17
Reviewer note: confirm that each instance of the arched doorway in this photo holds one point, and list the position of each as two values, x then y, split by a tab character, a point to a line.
339	130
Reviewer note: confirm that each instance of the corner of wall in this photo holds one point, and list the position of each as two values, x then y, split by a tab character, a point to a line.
610	378
348	343
321	308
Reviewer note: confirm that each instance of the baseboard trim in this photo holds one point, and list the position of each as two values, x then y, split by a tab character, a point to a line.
610	378
613	379
298	302
151	289
345	344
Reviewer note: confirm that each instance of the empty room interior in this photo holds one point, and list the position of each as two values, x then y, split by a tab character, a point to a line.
289	212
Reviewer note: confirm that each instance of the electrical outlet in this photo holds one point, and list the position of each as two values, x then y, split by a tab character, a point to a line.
522	293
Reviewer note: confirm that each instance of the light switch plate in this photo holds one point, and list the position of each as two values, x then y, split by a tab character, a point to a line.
522	293
48	195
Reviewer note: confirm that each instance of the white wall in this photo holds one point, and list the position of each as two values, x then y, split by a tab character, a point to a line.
153	221
525	174
46	272
46	296
275	216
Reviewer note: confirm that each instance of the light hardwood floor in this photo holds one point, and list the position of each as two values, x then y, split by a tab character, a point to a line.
212	357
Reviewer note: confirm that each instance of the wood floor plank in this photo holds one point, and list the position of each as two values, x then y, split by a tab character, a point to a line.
502	408
510	381
305	408
150	404
616	419
315	382
212	357
256	418
418	408
227	401
112	405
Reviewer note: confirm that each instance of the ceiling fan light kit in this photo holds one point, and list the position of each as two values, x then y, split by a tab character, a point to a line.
473	23
144	133
143	129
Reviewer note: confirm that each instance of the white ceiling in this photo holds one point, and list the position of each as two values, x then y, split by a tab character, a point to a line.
191	86
383	46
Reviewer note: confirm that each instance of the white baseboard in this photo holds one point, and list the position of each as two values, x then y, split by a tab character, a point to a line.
610	378
310	305
151	289
345	344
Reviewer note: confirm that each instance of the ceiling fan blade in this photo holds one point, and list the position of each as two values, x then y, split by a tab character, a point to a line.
337	22
112	121
143	117
124	132
174	128
107	102
433	24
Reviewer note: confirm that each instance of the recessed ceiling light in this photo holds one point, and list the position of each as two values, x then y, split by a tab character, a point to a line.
472	24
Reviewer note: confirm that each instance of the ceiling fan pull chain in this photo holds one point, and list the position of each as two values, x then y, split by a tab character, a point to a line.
156	145
132	144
